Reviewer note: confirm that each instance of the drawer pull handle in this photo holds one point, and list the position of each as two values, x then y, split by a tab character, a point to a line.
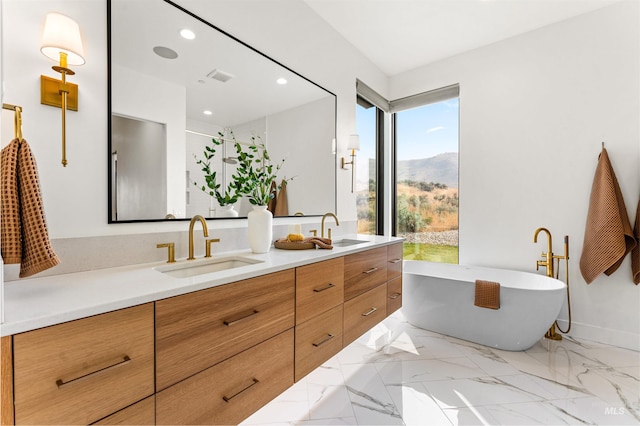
63	382
369	312
318	290
395	296
240	317
323	341
395	261
368	271
254	382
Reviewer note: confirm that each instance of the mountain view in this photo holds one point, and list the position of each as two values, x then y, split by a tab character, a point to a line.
442	168
427	207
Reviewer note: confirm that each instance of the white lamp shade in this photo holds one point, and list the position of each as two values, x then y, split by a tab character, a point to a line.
62	34
354	142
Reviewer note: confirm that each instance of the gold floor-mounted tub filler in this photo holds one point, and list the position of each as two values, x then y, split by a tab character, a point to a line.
548	262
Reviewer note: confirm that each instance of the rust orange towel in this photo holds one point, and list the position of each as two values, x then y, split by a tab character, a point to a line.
487	294
282	206
635	253
608	236
25	239
272	202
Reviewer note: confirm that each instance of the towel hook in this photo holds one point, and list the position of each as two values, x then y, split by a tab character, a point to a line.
17	119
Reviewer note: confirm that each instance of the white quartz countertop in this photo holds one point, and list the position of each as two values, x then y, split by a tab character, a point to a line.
40	302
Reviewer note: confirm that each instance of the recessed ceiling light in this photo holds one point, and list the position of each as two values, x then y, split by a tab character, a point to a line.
165	52
207	112
187	34
281	81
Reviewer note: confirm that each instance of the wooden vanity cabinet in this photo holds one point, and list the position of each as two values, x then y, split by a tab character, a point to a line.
232	390
394	295
212	356
364	271
197	330
363	312
372	289
81	371
319	298
394	277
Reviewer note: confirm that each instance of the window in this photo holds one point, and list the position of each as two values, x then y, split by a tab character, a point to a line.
370	126
366	185
426	175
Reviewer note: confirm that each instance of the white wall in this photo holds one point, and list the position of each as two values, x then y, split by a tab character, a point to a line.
533	113
75	197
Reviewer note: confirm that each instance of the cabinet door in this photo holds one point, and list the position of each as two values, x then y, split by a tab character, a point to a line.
363	312
317	340
232	390
364	271
81	371
197	330
394	295
319	287
394	261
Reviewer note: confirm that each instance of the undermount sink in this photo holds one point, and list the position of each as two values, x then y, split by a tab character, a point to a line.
200	267
347	242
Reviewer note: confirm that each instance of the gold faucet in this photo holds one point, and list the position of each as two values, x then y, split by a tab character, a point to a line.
548	262
205	231
324	217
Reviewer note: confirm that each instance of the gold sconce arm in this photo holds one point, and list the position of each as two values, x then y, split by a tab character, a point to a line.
353	145
353	167
61	42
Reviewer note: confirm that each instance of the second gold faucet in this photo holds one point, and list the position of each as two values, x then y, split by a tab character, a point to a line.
322	224
205	232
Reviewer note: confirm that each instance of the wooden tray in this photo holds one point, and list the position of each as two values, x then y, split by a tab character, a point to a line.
293	245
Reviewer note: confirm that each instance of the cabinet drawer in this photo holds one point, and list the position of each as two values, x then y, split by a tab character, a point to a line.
364	312
230	391
394	260
319	287
317	340
364	271
394	295
200	329
81	371
140	413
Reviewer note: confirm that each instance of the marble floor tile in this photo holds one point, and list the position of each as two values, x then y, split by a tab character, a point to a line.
398	374
429	369
326	402
480	391
415	405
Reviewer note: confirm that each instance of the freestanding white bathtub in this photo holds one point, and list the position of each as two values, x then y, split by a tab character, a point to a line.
439	297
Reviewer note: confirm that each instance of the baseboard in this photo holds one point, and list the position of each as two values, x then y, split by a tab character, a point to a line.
622	339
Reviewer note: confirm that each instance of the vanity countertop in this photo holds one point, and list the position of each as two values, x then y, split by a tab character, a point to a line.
40	302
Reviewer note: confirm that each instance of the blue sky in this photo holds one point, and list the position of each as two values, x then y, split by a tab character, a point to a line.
422	132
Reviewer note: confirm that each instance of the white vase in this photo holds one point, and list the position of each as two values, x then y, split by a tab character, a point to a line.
226	211
260	222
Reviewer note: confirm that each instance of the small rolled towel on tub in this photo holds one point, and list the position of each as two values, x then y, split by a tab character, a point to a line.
608	236
487	294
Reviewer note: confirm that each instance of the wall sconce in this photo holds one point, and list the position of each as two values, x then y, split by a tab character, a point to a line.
353	145
61	42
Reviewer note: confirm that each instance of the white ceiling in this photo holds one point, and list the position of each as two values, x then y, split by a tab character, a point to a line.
400	35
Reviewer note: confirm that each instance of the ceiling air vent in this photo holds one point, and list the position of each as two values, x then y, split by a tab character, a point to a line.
219	75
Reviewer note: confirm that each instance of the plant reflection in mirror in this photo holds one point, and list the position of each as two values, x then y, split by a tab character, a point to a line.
234	189
257	172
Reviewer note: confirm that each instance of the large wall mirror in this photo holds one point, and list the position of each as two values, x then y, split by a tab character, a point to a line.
169	94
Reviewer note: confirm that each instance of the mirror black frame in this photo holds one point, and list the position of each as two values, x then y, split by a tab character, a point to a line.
109	114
